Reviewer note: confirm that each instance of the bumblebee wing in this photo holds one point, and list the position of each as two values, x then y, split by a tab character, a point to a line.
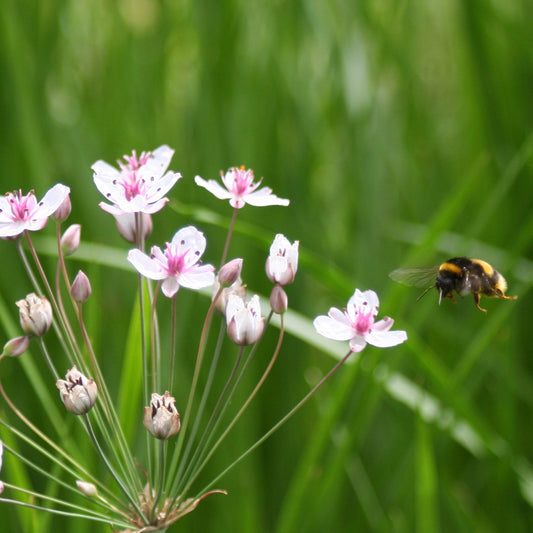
415	276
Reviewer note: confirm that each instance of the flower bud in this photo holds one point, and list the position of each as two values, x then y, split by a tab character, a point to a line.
127	228
77	392
230	272
161	418
81	287
282	263
16	346
63	211
236	288
279	300
70	240
35	314
89	489
245	324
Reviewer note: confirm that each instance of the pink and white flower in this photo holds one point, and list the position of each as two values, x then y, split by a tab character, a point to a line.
240	189
282	263
357	324
140	185
179	265
245	324
19	213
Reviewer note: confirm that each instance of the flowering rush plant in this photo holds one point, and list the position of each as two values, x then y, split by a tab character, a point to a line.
147	485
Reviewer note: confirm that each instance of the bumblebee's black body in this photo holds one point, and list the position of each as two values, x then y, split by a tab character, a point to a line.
459	274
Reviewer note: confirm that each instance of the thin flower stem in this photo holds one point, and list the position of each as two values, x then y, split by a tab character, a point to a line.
161	474
228	238
40	269
128	469
111	470
242	409
102	502
47	358
172	344
97	517
282	421
199	358
209	429
154	337
202	446
198	418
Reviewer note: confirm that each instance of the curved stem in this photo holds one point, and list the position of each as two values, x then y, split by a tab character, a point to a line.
282	421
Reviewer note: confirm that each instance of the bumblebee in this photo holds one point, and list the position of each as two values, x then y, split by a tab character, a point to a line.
459	274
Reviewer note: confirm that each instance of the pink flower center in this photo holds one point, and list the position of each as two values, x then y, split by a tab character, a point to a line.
133	185
243	182
22	207
363	321
135	163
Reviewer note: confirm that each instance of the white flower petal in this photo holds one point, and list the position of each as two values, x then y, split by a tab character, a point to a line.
385	339
52	200
170	287
214	188
264	197
190	238
146	266
357	343
158	188
105	171
332	329
157	163
198	278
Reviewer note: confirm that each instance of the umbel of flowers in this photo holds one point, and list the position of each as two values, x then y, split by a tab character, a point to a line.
179	444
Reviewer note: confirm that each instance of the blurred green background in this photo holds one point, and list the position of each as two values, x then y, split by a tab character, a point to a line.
402	133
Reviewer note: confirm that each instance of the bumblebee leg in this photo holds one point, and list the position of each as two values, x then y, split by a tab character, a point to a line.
507	297
476	300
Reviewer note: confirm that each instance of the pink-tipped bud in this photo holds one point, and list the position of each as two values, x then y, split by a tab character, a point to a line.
127	228
16	346
230	272
282	263
279	300
161	418
89	489
63	211
70	240
35	314
244	322
77	392
81	287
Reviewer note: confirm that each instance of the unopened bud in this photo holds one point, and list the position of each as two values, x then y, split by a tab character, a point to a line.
63	211
282	263
77	392
161	418
230	272
127	228
244	322
89	489
16	346
70	240
81	287
35	314
279	300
